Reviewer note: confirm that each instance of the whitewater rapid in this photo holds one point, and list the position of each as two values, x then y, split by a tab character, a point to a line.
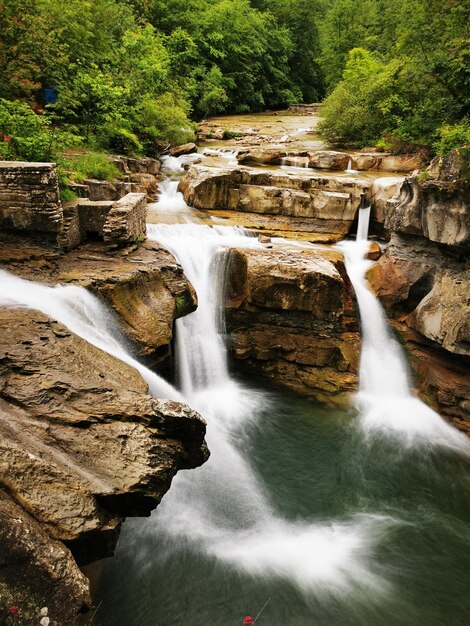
222	508
387	406
83	314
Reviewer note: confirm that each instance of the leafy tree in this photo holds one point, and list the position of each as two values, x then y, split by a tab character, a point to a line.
28	136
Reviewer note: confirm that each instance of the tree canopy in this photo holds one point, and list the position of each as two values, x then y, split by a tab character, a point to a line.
132	75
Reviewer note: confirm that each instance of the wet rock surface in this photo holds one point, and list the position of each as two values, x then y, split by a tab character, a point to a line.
82	445
291	318
145	286
328	205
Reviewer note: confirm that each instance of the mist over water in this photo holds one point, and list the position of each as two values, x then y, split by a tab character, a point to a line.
223	507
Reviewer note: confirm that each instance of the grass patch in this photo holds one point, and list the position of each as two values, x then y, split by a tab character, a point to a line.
91	165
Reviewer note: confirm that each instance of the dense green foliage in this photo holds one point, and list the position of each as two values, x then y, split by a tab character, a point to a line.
397	70
130	75
26	136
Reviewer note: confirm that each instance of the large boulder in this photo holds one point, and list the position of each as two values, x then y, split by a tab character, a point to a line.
328	160
263	157
291	318
443	315
187	148
436	210
329	203
82	446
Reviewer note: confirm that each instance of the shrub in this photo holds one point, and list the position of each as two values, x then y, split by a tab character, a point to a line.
453	137
28	136
91	165
162	121
121	140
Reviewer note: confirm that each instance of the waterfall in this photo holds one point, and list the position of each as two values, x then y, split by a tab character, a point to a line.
349	168
222	508
83	314
169	198
363	223
386	403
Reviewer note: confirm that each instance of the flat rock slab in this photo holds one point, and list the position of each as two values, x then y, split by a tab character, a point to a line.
145	286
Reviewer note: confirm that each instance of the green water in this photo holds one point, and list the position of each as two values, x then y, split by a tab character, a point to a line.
316	467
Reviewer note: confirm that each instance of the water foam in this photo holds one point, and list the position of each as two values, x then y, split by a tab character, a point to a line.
385	401
223	508
83	314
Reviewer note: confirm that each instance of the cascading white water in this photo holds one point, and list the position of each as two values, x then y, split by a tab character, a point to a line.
386	403
169	198
349	168
229	155
172	164
363	224
222	508
83	314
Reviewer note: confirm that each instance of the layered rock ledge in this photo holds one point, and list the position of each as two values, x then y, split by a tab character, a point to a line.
292	318
321	208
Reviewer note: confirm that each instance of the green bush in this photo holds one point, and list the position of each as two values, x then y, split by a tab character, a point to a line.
357	112
162	121
28	136
121	140
453	137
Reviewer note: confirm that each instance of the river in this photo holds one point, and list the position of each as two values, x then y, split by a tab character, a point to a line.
352	517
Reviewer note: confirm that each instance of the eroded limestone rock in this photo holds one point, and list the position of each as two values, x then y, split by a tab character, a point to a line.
328	204
291	318
82	445
436	210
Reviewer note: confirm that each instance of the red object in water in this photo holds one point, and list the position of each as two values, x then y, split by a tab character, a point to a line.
13	609
248	621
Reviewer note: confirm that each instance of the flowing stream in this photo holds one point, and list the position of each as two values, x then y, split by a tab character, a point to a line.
83	314
297	505
353	517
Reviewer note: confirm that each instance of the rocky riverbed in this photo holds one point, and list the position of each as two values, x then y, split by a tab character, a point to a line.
84	443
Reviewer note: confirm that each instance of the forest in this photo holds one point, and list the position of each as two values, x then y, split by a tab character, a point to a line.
132	76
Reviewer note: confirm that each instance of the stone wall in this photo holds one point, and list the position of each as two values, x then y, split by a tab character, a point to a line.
122	222
126	221
29	198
